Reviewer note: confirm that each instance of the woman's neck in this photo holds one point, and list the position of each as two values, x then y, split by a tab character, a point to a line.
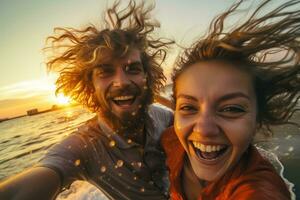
191	185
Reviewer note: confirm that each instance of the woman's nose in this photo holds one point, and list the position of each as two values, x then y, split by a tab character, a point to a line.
206	125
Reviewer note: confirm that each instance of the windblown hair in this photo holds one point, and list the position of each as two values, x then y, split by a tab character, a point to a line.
77	52
250	46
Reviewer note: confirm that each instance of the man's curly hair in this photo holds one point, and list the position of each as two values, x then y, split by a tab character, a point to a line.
77	52
249	46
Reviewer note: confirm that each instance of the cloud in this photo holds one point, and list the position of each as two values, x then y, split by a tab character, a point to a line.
17	98
27	89
15	107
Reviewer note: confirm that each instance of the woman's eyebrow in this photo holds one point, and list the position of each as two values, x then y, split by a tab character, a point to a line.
185	96
233	95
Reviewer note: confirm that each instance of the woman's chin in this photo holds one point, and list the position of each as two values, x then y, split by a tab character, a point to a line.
210	169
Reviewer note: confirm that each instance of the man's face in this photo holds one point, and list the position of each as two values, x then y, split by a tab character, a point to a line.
120	87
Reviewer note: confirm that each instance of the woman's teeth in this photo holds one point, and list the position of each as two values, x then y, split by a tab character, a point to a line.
209	152
207	148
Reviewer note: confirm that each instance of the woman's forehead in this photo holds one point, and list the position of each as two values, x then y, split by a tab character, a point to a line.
204	78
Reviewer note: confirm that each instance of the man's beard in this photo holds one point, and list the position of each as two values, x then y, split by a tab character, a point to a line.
126	122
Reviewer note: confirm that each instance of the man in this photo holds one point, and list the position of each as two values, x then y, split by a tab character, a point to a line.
116	73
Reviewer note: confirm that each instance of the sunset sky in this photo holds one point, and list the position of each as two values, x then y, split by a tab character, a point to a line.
24	83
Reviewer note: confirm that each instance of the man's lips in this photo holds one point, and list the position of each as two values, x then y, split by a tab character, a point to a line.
124	100
123	97
209	152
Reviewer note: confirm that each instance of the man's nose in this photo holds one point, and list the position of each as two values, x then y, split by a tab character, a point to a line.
120	78
206	125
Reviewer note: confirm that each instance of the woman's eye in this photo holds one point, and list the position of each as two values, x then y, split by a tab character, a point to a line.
186	109
232	111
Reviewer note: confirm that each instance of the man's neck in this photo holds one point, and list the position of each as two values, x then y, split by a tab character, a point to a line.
134	132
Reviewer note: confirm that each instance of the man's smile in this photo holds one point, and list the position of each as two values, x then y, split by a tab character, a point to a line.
124	100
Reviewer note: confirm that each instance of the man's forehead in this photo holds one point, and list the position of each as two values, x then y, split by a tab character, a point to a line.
131	56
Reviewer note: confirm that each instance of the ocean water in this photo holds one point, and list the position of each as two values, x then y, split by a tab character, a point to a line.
24	140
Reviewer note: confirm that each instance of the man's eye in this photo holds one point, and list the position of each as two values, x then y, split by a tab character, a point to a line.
232	111
134	68
103	71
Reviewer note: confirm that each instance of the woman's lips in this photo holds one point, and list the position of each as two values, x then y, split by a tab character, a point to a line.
209	152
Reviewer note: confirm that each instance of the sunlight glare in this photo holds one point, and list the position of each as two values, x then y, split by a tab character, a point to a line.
62	100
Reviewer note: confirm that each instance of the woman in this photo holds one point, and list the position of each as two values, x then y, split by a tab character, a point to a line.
228	86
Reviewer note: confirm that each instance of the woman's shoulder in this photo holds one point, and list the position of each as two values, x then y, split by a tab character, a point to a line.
169	140
257	179
172	146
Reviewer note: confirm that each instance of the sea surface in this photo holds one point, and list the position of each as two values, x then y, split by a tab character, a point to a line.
23	141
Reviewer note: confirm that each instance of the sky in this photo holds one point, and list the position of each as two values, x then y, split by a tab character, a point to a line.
25	24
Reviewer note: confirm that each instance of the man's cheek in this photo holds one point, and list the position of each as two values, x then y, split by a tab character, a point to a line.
103	102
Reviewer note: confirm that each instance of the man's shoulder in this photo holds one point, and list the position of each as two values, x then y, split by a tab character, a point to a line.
159	107
79	140
159	111
90	126
89	130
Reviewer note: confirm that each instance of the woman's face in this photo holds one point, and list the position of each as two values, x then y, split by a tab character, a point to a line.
215	116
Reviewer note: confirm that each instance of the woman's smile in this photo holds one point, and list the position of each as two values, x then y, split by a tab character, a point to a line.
209	152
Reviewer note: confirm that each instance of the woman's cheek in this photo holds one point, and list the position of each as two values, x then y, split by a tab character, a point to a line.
183	128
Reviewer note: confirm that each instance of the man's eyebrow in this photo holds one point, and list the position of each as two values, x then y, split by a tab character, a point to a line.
135	62
103	65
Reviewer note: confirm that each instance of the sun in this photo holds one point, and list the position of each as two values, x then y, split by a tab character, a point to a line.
62	100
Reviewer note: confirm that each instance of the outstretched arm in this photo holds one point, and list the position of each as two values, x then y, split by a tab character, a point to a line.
34	183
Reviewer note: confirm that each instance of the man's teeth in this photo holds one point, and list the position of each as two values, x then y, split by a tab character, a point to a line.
123	98
208	148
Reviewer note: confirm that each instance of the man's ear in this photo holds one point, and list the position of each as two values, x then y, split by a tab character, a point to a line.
257	128
89	81
146	78
90	87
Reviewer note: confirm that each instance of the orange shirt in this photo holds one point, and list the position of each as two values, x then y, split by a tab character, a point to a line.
252	178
